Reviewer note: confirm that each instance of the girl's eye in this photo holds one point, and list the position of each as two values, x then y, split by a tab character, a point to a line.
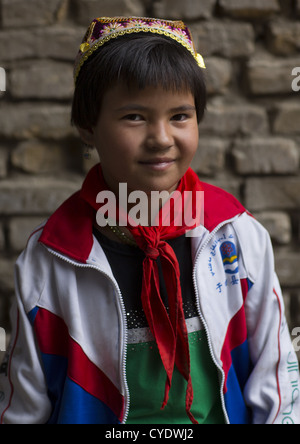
133	117
180	117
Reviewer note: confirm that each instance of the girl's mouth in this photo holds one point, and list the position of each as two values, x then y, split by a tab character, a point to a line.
159	164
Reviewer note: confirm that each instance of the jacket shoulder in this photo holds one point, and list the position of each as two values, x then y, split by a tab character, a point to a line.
219	206
31	270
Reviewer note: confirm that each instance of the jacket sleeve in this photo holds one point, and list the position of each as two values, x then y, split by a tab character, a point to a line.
272	391
23	390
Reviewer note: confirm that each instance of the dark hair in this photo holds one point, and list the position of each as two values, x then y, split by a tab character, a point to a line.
139	60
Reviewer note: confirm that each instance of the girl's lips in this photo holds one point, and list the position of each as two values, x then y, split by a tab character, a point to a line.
158	164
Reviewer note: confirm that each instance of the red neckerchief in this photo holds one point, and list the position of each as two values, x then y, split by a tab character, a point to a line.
169	330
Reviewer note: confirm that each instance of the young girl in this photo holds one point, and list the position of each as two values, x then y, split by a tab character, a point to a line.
120	322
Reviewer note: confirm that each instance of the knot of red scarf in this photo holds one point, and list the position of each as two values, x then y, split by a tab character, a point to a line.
152	252
168	329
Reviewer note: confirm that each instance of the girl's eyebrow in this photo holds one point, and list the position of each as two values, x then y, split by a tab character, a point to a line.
139	107
131	107
183	108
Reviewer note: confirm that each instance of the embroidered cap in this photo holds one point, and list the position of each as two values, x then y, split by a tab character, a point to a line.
104	29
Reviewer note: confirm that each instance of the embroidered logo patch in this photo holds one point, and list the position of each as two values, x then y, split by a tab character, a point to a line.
229	257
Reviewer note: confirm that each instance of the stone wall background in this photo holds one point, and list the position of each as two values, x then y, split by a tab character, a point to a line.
250	138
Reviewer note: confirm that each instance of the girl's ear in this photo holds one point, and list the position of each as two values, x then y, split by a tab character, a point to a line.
86	135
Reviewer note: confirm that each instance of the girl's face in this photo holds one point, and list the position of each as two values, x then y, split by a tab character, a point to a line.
145	138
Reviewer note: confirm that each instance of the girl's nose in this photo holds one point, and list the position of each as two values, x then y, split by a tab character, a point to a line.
159	136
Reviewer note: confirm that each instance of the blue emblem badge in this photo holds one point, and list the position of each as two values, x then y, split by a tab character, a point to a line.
229	257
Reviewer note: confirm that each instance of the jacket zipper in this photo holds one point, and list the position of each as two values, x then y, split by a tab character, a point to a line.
124	336
210	237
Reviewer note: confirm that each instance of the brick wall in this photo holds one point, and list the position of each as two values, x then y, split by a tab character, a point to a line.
250	138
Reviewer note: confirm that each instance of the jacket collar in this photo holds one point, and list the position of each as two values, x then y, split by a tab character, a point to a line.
70	229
